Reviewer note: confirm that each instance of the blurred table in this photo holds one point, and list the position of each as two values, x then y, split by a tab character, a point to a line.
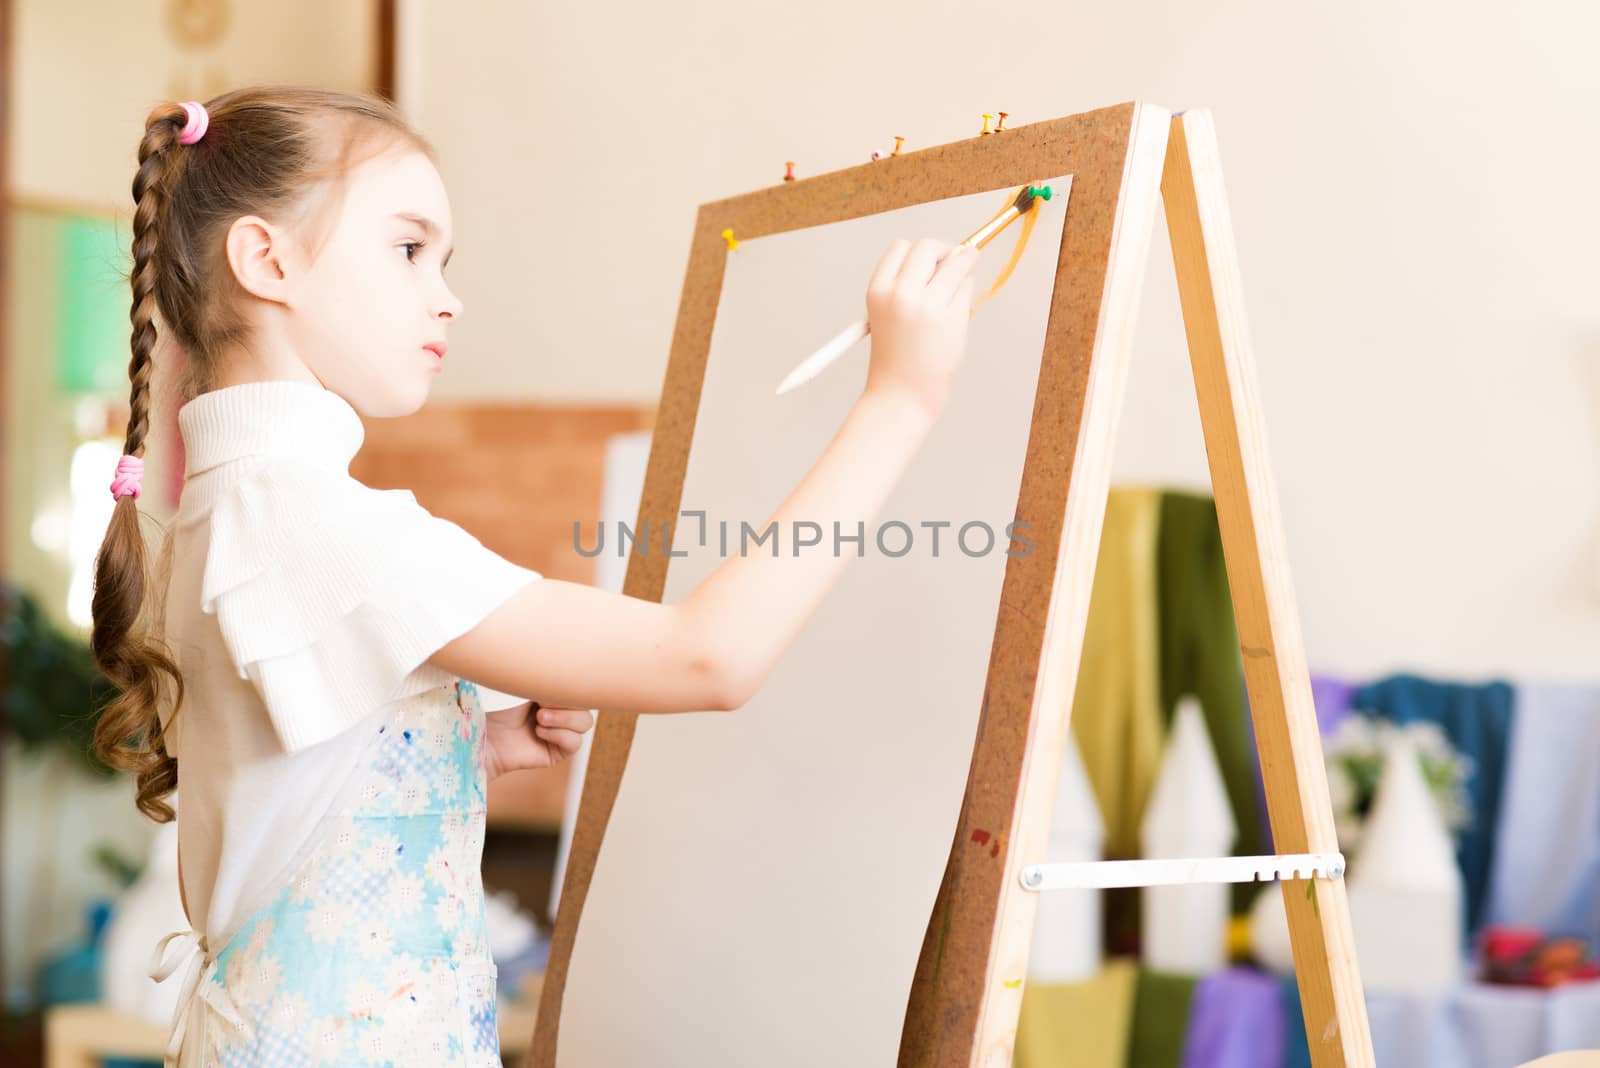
83	1035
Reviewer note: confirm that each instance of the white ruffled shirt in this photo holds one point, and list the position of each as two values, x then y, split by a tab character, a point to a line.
299	602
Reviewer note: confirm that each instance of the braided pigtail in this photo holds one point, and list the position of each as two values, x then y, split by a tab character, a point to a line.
128	734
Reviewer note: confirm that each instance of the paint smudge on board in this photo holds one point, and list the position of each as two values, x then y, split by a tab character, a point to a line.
982	837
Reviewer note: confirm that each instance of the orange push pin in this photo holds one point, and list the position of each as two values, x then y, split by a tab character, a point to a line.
986	130
1001	125
788	174
898	141
727	235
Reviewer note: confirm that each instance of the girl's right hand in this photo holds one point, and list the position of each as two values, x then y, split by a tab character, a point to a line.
918	308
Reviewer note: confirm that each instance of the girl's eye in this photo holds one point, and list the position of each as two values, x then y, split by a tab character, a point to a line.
411	245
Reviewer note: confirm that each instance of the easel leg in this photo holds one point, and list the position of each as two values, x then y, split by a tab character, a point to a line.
1285	720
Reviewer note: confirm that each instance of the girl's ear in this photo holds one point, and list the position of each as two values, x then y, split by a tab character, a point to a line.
258	253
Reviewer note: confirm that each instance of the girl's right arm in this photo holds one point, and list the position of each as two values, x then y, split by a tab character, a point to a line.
573	646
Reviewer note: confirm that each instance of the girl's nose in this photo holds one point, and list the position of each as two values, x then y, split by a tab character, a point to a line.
451	306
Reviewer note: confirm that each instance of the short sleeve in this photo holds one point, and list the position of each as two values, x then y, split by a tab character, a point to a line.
331	595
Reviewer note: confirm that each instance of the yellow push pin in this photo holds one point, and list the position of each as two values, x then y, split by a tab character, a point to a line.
727	235
986	130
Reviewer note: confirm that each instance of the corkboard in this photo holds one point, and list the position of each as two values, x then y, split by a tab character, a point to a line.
1038	627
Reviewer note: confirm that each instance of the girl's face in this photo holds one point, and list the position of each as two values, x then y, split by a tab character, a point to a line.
371	308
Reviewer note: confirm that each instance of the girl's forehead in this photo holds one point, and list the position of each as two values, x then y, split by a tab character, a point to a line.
398	184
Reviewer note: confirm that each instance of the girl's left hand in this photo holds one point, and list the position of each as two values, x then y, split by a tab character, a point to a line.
518	738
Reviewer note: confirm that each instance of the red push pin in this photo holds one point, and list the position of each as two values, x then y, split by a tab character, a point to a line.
788	174
1002	123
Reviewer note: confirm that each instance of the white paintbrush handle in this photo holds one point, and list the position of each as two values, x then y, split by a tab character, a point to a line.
812	365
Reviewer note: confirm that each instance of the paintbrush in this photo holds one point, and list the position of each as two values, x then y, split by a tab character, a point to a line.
813	365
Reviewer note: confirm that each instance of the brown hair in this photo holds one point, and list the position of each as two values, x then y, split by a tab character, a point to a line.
280	152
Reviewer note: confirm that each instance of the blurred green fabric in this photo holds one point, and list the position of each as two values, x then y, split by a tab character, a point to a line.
1200	656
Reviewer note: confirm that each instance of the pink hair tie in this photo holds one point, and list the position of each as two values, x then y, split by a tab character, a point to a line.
130	469
199	119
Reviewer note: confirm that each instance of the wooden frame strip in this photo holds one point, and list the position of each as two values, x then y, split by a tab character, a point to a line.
1279	683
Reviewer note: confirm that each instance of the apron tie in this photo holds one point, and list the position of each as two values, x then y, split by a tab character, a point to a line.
202	968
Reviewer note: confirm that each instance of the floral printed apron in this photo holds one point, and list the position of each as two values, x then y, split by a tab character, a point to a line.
370	948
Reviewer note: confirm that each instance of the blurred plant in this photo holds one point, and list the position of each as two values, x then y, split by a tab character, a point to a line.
1355	753
117	865
51	690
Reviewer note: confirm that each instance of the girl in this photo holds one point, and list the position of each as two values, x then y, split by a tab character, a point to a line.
356	668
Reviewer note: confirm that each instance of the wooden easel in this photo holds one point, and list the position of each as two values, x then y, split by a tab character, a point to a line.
967	991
